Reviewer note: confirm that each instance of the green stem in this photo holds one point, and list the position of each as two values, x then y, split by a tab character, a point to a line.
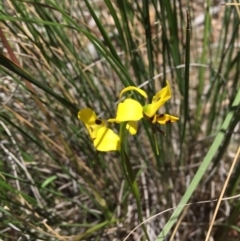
129	174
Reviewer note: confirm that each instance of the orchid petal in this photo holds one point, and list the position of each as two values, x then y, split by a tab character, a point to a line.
165	119
106	140
90	120
164	93
158	101
140	91
132	127
128	110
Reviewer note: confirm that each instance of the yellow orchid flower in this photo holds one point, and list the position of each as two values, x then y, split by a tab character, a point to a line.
131	110
104	139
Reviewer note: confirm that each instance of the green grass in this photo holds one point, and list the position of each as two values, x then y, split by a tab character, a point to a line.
61	56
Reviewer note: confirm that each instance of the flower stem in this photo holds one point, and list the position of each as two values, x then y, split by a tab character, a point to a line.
129	174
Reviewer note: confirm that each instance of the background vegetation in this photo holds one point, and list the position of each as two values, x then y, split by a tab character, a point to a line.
58	57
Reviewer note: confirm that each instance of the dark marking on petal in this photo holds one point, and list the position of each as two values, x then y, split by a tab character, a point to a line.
151	118
98	122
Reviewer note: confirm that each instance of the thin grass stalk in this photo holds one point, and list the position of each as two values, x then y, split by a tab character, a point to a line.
117	24
103	32
148	37
205	46
186	86
173	38
136	59
219	83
